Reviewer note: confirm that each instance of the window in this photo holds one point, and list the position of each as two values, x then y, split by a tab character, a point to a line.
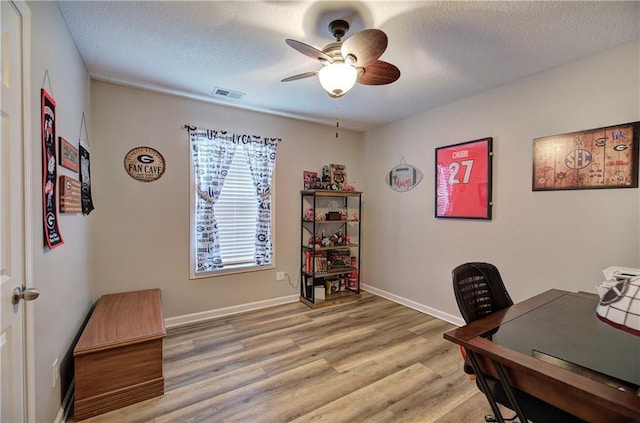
236	212
231	201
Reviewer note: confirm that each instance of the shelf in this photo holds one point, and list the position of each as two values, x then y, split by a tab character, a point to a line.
332	272
334	247
332	221
316	258
337	298
327	193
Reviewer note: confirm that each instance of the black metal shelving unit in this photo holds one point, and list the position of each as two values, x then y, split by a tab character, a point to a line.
323	266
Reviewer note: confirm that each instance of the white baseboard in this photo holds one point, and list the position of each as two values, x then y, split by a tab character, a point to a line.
227	311
65	408
454	320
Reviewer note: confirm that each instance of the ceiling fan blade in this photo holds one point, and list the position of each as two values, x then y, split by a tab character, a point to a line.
379	73
365	46
300	76
309	51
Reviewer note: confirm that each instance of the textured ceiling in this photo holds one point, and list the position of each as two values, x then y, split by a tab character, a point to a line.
446	50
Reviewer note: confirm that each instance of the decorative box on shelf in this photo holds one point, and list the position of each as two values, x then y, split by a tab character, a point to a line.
333	215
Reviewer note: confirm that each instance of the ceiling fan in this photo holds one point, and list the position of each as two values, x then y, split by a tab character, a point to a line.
350	61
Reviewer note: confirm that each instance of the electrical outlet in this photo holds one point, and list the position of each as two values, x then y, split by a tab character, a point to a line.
279	276
55	373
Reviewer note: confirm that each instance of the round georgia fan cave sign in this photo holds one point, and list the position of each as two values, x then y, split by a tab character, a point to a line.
144	164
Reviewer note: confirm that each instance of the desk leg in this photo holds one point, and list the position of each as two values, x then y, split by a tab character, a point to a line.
492	402
507	389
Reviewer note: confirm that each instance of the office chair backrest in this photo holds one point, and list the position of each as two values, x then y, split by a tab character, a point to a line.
479	290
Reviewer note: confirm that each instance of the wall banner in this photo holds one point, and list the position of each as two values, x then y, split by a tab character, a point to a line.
85	180
52	235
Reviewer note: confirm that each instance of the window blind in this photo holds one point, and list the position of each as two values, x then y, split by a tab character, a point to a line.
236	211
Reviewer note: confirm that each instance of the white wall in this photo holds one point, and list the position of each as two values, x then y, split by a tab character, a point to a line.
142	229
538	240
137	237
62	274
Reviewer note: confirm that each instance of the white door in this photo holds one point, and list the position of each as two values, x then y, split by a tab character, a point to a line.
13	246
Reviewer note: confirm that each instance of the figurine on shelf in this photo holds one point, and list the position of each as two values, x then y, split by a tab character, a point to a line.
326	242
348	187
326	177
314	240
338	174
316	184
308	214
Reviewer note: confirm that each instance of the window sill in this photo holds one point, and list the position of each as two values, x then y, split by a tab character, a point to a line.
231	270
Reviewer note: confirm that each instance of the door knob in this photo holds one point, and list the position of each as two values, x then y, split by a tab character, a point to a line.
27	294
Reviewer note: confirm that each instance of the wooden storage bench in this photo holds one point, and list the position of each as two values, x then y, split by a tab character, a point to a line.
118	357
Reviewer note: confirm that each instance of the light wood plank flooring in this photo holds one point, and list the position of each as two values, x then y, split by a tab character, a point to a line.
371	361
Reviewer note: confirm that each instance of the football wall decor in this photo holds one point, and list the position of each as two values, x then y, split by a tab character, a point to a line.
404	177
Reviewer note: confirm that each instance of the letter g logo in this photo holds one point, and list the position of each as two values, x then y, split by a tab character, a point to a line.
145	158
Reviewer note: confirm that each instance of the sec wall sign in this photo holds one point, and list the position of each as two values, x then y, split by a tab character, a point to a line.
144	164
463	180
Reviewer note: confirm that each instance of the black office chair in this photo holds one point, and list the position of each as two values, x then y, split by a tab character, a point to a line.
480	291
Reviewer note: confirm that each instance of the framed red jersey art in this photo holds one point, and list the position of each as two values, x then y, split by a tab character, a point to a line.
463	180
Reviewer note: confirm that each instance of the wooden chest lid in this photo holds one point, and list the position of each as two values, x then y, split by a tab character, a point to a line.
122	319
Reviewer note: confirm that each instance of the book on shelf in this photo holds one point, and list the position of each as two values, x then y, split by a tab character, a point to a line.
315	263
320	263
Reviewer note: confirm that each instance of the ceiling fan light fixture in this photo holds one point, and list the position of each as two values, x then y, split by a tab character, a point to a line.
337	78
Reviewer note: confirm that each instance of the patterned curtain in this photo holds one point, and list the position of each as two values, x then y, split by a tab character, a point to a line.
212	153
261	154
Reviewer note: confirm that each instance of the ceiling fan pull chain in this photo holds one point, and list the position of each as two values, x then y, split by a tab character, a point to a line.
337	123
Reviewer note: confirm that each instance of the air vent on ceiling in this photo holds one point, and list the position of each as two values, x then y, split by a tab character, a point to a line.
223	92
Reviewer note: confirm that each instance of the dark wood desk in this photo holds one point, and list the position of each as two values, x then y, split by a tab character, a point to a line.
582	396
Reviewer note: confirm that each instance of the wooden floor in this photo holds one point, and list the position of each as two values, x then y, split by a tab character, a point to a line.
372	361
